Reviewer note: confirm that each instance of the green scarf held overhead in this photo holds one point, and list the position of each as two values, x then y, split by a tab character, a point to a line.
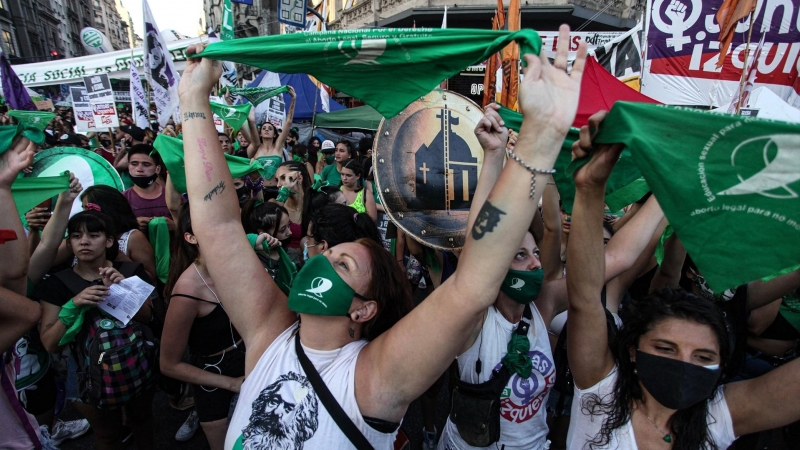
367	64
29	192
286	268
234	115
621	189
727	185
158	233
171	151
517	360
72	317
33	123
257	95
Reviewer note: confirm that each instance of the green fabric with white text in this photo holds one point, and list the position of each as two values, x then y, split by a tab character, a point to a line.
387	68
727	184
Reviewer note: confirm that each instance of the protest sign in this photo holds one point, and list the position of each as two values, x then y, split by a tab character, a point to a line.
101	99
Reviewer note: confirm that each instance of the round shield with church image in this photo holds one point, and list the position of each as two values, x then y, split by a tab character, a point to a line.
427	160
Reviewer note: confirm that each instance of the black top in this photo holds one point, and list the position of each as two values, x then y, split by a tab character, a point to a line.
211	333
52	290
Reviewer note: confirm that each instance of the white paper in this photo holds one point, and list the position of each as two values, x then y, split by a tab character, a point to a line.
125	298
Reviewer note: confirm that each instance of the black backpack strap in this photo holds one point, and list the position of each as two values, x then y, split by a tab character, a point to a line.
502	375
71	280
329	402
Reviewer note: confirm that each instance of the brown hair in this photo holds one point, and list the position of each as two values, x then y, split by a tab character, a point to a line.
388	287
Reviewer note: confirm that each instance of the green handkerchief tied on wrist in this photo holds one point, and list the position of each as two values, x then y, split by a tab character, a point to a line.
517	359
71	316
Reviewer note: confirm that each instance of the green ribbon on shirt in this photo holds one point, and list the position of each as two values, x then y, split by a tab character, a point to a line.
517	359
158	233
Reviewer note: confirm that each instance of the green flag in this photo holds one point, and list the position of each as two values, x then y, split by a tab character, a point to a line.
233	115
226	30
625	185
387	68
171	151
727	184
29	192
33	123
256	95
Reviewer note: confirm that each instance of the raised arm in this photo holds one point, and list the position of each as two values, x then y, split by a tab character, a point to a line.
760	293
255	304
287	125
550	244
14	253
250	132
589	355
18	315
402	363
44	257
668	275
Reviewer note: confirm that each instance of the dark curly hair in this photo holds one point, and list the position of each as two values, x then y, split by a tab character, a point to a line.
690	425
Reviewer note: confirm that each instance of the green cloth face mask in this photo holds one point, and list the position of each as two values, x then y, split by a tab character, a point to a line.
523	286
330	159
319	290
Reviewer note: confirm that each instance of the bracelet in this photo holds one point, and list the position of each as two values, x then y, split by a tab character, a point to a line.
530	169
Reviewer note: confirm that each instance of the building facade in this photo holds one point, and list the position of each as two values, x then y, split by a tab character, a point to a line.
108	20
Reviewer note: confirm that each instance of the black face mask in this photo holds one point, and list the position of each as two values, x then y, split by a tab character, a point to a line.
243	194
144	182
675	384
105	142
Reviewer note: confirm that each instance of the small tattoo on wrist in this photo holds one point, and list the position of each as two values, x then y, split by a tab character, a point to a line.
189	115
217	190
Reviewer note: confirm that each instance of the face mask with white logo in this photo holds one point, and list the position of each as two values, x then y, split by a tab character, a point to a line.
523	286
317	289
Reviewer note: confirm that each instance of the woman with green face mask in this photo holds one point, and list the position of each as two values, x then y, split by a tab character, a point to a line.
352	299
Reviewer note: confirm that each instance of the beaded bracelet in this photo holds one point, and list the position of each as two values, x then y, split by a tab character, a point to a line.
530	169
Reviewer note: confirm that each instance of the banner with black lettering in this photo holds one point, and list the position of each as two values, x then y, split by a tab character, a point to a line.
622	57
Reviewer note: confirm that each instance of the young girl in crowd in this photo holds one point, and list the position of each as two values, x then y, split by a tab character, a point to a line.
268	146
357	192
76	292
132	242
332	173
271	219
197	319
658	384
294	177
353	299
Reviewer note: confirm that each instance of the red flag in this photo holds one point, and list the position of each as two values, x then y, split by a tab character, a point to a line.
490	76
731	12
511	60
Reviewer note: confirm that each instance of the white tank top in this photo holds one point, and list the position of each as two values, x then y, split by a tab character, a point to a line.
278	408
523	423
123	241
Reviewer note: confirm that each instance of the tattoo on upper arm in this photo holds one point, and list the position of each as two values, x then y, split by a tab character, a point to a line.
189	115
487	220
217	190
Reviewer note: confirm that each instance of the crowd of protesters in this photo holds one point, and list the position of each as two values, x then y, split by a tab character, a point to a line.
283	316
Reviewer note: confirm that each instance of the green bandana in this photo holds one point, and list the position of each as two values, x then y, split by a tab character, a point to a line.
366	63
318	183
171	151
29	192
297	158
257	95
517	360
319	290
158	234
71	315
625	185
727	184
522	286
330	159
33	123
284	193
270	164
233	115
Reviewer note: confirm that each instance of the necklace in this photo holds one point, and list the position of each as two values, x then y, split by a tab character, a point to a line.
667	437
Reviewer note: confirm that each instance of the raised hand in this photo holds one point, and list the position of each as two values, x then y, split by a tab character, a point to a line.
75	188
548	93
200	74
15	160
491	131
596	172
271	241
37	218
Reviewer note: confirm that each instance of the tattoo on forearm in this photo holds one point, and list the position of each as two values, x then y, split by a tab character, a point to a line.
217	190
207	166
189	115
487	220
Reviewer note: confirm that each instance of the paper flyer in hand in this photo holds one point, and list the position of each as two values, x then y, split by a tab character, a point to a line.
125	298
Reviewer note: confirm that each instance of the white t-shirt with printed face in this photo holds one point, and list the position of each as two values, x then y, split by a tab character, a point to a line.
584	427
523	422
278	408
